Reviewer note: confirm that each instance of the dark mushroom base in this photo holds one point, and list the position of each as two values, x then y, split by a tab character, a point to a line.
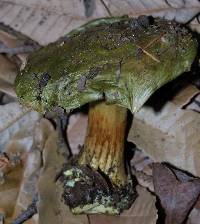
89	191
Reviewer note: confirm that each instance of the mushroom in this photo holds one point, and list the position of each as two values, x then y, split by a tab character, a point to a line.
115	64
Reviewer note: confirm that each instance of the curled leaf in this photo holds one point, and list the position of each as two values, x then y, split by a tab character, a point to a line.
177	196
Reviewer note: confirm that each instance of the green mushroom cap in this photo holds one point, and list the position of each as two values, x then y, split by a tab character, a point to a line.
120	60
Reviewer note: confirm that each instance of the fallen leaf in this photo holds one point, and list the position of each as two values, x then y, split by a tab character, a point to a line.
51	209
170	133
14	43
144	180
177	197
7	88
194	103
143	211
195	24
194	216
141	166
185	97
32	167
8	71
76	131
14	119
16	129
45	21
141	162
9	191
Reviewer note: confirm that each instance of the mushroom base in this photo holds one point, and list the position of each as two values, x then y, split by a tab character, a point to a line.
90	191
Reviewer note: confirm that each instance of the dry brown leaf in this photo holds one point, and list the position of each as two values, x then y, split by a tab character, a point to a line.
14	119
76	131
46	21
28	187
16	129
8	71
194	216
144	180
143	170
194	24
7	88
183	98
51	209
141	166
20	182
41	133
171	134
194	103
33	164
9	191
8	39
14	42
20	177
143	211
141	162
177	196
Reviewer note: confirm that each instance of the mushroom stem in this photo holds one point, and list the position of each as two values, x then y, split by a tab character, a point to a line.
104	144
98	182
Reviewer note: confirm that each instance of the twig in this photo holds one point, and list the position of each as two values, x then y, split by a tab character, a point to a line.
17	50
28	213
147	53
150	55
106	7
88	218
154	40
148	45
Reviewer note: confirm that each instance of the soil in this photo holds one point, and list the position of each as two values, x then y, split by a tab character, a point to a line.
94	187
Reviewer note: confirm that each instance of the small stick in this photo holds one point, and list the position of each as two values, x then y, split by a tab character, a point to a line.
150	55
148	45
147	53
154	40
106	7
28	213
17	50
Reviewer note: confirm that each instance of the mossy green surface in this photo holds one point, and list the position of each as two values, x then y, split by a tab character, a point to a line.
121	60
